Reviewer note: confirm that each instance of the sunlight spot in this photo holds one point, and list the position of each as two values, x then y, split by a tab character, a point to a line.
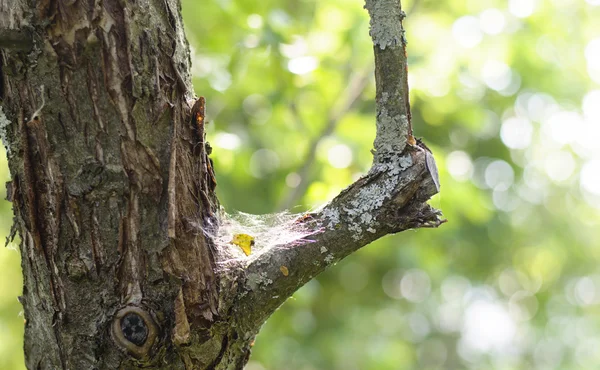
436	86
254	365
419	325
340	156
225	140
591	105
471	87
488	327
523	306
587	139
499	175
279	18
592	52
590	177
459	165
391	284
586	292
254	21
220	79
496	75
251	41
492	21
587	354
563	126
559	165
454	288
521	8
293	180
303	65
466	31
508	282
296	49
505	200
513	86
537	107
592	55
516	133
415	285
450	317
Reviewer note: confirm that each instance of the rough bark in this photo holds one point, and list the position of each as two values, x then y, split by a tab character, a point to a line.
113	190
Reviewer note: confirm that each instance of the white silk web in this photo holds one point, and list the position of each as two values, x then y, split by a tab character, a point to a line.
282	230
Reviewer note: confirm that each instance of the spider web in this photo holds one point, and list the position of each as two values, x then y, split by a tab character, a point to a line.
281	230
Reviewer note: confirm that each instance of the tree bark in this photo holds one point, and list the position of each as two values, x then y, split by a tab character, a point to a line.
113	190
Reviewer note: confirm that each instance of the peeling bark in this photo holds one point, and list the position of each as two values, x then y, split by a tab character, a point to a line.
114	197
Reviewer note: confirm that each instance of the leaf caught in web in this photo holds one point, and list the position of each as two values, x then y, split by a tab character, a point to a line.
244	241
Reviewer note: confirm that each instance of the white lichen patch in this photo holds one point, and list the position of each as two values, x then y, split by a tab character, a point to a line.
366	218
332	216
329	258
258	280
355	229
370	198
405	162
390	131
323	250
386	27
361	211
4	123
392	168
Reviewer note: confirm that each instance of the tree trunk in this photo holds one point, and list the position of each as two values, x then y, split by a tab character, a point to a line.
113	190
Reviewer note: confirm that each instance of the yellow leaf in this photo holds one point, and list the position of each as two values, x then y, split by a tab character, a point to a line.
244	241
284	270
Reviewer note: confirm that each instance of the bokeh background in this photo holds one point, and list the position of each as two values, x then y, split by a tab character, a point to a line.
505	93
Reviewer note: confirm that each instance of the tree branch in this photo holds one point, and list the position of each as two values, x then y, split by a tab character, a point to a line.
353	92
389	199
394	128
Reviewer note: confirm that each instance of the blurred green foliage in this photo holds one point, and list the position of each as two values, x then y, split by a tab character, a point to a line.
11	282
506	93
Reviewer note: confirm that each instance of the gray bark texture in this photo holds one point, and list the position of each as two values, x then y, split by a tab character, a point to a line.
113	190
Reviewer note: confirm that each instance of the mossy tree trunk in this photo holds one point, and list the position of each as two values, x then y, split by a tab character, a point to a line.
113	191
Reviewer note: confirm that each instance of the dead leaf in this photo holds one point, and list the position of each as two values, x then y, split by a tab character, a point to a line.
244	241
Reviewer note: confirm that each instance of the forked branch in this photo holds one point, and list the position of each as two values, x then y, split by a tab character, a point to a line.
390	198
